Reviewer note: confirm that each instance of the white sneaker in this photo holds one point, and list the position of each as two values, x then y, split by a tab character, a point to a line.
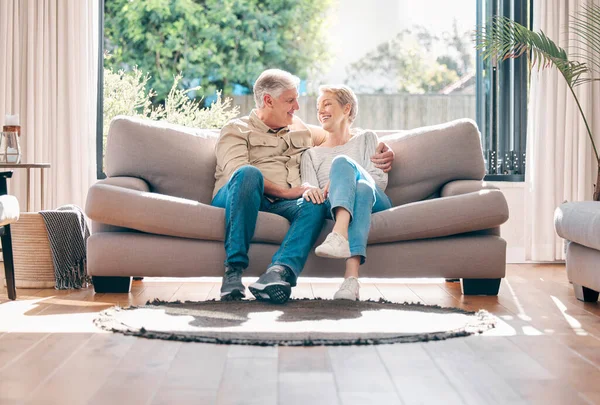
334	247
348	290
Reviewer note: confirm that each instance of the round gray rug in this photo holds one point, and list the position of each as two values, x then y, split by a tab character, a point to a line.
297	323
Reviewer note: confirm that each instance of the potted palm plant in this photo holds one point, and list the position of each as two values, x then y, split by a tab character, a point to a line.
503	38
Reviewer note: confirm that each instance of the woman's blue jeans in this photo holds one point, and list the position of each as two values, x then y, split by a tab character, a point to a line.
243	197
352	188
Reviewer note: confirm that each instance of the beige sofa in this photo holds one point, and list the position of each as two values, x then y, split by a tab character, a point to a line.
152	215
579	224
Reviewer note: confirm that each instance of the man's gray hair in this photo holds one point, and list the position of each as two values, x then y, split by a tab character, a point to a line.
273	82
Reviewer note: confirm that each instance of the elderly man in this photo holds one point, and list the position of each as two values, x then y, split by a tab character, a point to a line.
258	169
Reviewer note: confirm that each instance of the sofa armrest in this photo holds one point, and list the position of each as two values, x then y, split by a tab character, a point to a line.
440	217
154	213
579	222
458	187
132	183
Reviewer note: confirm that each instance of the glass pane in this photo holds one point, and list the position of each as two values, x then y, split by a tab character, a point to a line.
411	66
502	99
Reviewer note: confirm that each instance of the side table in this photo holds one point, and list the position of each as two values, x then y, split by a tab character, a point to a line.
29	166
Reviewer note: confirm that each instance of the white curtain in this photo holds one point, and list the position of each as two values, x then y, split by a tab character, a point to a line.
48	75
560	161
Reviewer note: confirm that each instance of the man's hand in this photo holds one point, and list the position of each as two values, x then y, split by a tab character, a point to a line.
314	195
296	192
383	157
326	189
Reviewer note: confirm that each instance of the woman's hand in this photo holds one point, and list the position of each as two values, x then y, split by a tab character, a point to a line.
314	194
383	157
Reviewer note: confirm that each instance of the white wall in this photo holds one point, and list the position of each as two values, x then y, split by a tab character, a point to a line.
513	230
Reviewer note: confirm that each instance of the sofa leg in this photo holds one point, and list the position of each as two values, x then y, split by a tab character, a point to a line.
480	286
585	294
111	284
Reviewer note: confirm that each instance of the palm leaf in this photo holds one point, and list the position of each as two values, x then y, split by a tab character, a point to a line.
505	38
586	30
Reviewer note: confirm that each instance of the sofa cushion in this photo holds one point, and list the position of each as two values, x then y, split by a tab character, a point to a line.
429	157
459	187
172	216
440	217
180	161
174	160
579	222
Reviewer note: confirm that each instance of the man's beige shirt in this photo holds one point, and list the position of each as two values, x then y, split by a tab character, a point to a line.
249	141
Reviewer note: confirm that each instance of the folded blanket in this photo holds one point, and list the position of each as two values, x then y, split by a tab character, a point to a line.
68	232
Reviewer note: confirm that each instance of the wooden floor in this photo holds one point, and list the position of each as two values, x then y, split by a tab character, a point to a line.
546	350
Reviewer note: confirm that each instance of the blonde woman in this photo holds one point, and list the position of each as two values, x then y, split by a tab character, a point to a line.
342	176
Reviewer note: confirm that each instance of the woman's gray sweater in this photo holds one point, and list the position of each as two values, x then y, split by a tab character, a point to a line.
316	162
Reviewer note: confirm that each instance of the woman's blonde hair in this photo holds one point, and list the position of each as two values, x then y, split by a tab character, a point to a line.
344	95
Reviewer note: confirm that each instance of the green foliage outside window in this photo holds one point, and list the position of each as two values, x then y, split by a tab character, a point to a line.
125	93
214	43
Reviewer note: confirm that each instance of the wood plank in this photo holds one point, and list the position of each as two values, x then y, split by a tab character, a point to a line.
305	376
398	293
302	290
585	346
562	362
193	382
368	291
81	379
414	373
16	345
158	292
300	388
358	370
559	365
194	291
252	352
555	392
303	359
25	374
432	294
507	359
326	290
248	380
139	374
476	382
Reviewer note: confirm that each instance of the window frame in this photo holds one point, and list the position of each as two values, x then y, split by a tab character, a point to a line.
501	111
100	104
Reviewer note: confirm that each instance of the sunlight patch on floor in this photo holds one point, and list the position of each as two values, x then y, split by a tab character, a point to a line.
15	317
522	315
573	323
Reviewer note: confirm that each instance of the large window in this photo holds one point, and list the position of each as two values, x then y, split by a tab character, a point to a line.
412	66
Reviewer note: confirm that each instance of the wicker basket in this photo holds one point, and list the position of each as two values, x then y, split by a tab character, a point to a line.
31	252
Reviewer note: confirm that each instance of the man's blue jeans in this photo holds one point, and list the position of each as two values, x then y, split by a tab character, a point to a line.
353	188
243	197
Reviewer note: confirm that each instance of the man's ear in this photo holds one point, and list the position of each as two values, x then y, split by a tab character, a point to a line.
268	100
347	109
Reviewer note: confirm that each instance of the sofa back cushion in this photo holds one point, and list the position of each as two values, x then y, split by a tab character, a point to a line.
429	157
174	160
180	161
